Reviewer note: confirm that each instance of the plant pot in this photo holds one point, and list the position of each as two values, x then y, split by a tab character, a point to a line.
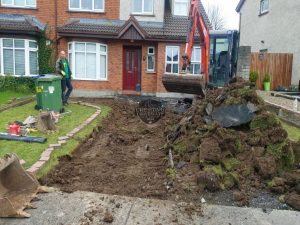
267	86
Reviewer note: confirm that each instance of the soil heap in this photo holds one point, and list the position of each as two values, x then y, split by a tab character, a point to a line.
247	151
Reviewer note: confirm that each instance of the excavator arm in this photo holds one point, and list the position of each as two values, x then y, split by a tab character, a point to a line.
196	22
187	83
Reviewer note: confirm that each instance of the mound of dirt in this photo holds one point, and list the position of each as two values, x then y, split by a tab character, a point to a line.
251	152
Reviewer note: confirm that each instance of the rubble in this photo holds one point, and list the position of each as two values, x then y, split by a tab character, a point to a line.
237	144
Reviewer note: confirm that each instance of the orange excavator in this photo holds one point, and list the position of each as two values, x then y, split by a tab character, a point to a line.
185	82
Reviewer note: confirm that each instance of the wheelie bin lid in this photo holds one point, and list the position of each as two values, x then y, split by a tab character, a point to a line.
49	77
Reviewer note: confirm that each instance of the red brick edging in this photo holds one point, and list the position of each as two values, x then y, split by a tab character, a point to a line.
45	157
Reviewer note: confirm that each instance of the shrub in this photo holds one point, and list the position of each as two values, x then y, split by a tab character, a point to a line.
267	78
253	76
18	84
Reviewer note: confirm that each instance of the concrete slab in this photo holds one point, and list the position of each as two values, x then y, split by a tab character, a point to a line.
85	208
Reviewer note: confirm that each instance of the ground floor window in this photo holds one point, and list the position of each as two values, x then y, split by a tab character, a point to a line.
172	59
151	59
196	61
88	60
18	57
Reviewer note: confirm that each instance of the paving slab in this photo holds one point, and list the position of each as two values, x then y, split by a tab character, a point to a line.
94	209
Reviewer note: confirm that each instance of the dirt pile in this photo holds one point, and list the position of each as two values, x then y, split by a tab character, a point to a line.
248	153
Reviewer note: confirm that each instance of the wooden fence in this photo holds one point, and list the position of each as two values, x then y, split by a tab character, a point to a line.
279	66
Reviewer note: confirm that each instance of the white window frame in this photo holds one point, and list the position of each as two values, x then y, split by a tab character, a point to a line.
87	10
16	6
98	54
187	2
261	6
27	50
143	9
193	62
153	55
172	62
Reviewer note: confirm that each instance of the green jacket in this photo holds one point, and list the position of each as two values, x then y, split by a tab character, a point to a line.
61	67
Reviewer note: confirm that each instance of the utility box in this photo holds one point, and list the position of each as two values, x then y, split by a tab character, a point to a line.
48	93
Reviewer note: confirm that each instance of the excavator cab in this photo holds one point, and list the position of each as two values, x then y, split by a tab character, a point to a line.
185	82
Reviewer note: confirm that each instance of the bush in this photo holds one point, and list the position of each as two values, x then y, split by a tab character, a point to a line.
267	78
253	76
18	84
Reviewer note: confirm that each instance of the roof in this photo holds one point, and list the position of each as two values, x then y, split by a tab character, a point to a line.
173	27
20	23
240	5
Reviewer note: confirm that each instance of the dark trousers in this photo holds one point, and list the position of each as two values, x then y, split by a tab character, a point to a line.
66	83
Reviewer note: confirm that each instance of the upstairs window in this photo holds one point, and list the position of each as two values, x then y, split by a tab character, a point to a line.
181	7
87	5
19	3
142	7
196	61
264	6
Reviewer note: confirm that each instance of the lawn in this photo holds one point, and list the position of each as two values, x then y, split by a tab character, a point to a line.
293	132
30	152
8	95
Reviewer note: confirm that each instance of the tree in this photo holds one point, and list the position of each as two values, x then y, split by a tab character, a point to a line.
215	17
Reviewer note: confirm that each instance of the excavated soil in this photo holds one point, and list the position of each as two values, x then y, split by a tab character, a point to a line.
124	157
241	165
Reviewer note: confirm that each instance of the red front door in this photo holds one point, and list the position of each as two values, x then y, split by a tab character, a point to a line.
131	68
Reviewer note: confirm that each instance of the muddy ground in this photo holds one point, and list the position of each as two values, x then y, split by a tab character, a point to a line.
126	157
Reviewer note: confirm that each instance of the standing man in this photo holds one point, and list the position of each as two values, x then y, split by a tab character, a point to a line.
63	68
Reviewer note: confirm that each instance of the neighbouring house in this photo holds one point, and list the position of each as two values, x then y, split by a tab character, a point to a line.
114	46
272	26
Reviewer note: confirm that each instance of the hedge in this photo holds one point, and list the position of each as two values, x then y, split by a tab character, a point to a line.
18	84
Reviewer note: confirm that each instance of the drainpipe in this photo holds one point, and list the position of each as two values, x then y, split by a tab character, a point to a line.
56	23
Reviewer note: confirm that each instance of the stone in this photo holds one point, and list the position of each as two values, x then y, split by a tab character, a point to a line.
63	138
232	115
55	145
62	142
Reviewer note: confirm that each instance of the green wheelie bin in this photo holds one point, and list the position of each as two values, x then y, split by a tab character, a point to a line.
48	93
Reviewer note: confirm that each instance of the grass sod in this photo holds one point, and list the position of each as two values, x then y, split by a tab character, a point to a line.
5	96
31	152
293	132
73	143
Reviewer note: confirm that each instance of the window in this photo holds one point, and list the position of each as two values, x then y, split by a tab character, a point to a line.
151	59
19	3
142	6
18	57
264	6
196	61
181	7
87	5
172	59
88	60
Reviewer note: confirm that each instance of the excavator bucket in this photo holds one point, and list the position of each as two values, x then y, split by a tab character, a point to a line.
188	84
17	188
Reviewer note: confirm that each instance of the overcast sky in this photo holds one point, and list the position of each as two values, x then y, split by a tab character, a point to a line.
227	8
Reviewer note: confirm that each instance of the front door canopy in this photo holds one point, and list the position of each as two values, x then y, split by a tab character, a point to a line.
131	30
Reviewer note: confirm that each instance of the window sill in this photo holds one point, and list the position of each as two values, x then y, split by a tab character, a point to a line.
85	11
82	79
142	14
263	13
151	72
17	7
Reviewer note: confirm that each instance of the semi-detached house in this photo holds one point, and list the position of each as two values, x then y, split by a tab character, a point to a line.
114	46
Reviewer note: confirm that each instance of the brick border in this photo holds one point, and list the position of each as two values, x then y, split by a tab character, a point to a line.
45	156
